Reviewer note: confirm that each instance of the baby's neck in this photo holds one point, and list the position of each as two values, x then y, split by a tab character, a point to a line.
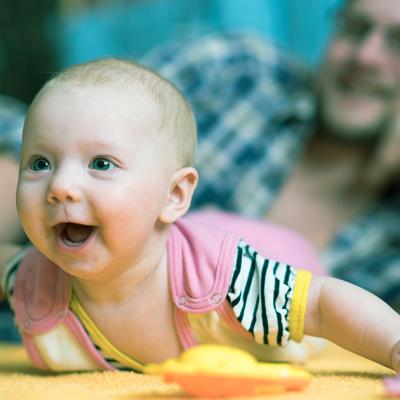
135	313
122	288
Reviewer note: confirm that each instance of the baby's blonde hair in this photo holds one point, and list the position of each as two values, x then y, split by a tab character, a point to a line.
176	116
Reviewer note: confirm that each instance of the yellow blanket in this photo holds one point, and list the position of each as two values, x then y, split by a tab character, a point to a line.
337	374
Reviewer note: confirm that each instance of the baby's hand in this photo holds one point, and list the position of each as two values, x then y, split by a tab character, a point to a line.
396	357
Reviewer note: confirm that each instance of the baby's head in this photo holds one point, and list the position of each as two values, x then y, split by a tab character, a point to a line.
173	117
107	153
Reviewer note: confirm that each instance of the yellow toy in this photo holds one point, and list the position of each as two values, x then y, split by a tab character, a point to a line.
223	371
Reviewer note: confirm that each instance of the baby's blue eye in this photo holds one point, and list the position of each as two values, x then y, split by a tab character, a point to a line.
39	164
101	164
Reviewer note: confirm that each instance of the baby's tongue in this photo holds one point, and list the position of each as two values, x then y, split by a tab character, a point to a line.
77	233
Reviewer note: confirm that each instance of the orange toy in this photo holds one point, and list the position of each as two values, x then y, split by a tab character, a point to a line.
223	371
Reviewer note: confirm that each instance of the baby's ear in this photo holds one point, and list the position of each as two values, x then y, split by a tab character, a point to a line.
181	189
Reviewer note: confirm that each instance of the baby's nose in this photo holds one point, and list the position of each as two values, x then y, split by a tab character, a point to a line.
63	189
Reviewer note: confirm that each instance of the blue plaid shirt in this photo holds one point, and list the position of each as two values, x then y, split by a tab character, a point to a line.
367	250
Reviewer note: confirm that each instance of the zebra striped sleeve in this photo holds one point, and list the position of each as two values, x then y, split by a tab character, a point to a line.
260	294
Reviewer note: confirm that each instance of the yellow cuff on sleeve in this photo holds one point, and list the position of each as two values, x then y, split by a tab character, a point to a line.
299	305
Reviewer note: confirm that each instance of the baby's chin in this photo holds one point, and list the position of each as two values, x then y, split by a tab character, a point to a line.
85	268
82	271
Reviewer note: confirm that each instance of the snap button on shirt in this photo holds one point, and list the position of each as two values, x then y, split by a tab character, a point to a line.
62	313
182	300
216	298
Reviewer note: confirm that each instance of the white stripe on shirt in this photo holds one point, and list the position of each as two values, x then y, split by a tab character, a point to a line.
260	295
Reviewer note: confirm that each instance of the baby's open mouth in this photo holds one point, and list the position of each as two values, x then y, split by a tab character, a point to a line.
74	234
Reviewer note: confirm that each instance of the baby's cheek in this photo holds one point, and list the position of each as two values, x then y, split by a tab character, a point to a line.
29	211
24	209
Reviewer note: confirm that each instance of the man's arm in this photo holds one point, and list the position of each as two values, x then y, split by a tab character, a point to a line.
7	252
354	319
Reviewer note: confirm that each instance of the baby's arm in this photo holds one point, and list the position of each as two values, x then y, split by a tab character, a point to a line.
7	252
354	319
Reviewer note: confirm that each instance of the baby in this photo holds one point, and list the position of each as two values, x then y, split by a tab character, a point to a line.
116	278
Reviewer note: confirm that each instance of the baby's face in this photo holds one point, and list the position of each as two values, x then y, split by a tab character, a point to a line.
92	178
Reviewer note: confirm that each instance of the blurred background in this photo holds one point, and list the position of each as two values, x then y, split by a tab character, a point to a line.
42	36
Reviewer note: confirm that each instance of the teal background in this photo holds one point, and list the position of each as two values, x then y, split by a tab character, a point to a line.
123	28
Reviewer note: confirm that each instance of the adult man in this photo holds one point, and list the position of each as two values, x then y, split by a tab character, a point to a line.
348	172
357	134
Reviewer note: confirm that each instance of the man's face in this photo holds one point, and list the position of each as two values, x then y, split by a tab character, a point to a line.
360	77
